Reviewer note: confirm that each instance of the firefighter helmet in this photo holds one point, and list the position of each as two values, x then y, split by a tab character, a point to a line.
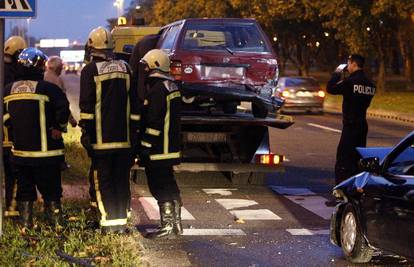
157	59
100	38
15	44
32	58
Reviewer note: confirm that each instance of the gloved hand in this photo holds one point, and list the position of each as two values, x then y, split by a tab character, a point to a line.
86	143
144	156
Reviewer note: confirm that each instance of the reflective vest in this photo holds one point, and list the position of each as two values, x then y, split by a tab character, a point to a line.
108	105
33	109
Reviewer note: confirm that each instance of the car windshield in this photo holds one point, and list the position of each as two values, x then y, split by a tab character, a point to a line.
404	163
233	37
302	82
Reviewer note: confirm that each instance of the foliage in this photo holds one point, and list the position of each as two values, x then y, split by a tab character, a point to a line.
38	247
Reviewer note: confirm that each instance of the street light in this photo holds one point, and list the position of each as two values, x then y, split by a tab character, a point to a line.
119	4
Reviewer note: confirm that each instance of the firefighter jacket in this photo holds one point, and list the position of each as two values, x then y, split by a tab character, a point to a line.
357	91
161	123
34	108
108	106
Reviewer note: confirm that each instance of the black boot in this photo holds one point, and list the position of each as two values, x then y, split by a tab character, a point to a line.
26	213
166	228
53	212
178	227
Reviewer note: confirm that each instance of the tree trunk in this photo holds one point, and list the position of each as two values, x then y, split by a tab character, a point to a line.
381	76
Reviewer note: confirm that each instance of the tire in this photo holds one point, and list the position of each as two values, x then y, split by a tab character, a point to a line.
259	112
230	108
353	243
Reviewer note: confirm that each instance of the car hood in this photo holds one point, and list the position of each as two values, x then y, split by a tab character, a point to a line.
369	152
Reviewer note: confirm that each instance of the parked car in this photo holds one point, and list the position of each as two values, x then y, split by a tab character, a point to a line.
72	67
221	62
376	209
300	94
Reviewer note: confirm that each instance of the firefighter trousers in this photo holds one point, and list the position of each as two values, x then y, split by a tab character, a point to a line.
46	178
162	184
111	182
10	183
347	157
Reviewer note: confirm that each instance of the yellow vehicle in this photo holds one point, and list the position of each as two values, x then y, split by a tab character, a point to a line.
126	37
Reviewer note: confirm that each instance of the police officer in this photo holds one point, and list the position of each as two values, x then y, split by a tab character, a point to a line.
38	113
12	48
160	141
108	106
357	91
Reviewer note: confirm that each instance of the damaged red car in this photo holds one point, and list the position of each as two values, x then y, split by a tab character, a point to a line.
376	209
222	62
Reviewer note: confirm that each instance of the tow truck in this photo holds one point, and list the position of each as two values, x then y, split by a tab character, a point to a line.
236	145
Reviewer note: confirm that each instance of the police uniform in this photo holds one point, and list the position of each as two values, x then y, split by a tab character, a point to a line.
357	91
34	108
108	105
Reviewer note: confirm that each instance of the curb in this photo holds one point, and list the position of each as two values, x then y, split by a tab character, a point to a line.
387	115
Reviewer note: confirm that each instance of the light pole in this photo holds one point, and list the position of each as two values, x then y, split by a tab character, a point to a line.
119	4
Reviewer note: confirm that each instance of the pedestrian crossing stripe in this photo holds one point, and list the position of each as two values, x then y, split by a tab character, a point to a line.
15	6
219	191
208	232
235	203
307	199
255	215
152	210
304	231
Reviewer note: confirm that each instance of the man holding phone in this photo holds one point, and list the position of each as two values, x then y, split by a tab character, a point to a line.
357	91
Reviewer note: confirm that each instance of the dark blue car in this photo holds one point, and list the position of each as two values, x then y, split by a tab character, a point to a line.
376	208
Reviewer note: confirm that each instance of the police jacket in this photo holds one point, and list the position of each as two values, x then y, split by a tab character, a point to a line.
161	124
33	108
108	106
357	91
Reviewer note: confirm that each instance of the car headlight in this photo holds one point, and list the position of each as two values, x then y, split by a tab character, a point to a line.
339	194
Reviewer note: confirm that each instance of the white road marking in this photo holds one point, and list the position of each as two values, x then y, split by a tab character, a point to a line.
219	191
304	231
324	127
292	191
151	208
312	202
259	214
206	232
235	203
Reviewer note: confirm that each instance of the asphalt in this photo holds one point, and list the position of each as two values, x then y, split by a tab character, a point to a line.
284	223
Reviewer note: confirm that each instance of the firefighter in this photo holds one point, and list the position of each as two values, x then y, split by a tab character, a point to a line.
12	48
160	141
38	113
357	91
108	106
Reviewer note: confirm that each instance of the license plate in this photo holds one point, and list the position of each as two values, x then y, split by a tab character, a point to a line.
304	94
222	72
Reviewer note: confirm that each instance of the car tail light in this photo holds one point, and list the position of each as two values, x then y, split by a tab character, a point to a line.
321	93
176	69
269	159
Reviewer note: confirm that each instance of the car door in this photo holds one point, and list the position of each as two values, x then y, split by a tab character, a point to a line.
397	202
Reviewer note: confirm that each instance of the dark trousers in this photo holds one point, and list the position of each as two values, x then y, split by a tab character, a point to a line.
347	157
162	184
111	182
10	181
47	179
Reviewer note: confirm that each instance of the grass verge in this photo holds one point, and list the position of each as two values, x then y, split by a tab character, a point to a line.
401	102
75	156
87	247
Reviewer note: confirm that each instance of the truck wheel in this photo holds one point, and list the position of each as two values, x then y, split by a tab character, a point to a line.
353	243
259	112
230	108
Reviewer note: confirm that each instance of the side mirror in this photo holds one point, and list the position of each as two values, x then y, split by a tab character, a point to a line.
370	165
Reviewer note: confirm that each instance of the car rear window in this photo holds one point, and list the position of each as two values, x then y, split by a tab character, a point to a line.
294	82
239	37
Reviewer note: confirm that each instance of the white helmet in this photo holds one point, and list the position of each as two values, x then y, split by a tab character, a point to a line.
157	59
15	44
100	38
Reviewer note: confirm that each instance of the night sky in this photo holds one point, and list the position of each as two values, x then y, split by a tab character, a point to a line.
71	19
